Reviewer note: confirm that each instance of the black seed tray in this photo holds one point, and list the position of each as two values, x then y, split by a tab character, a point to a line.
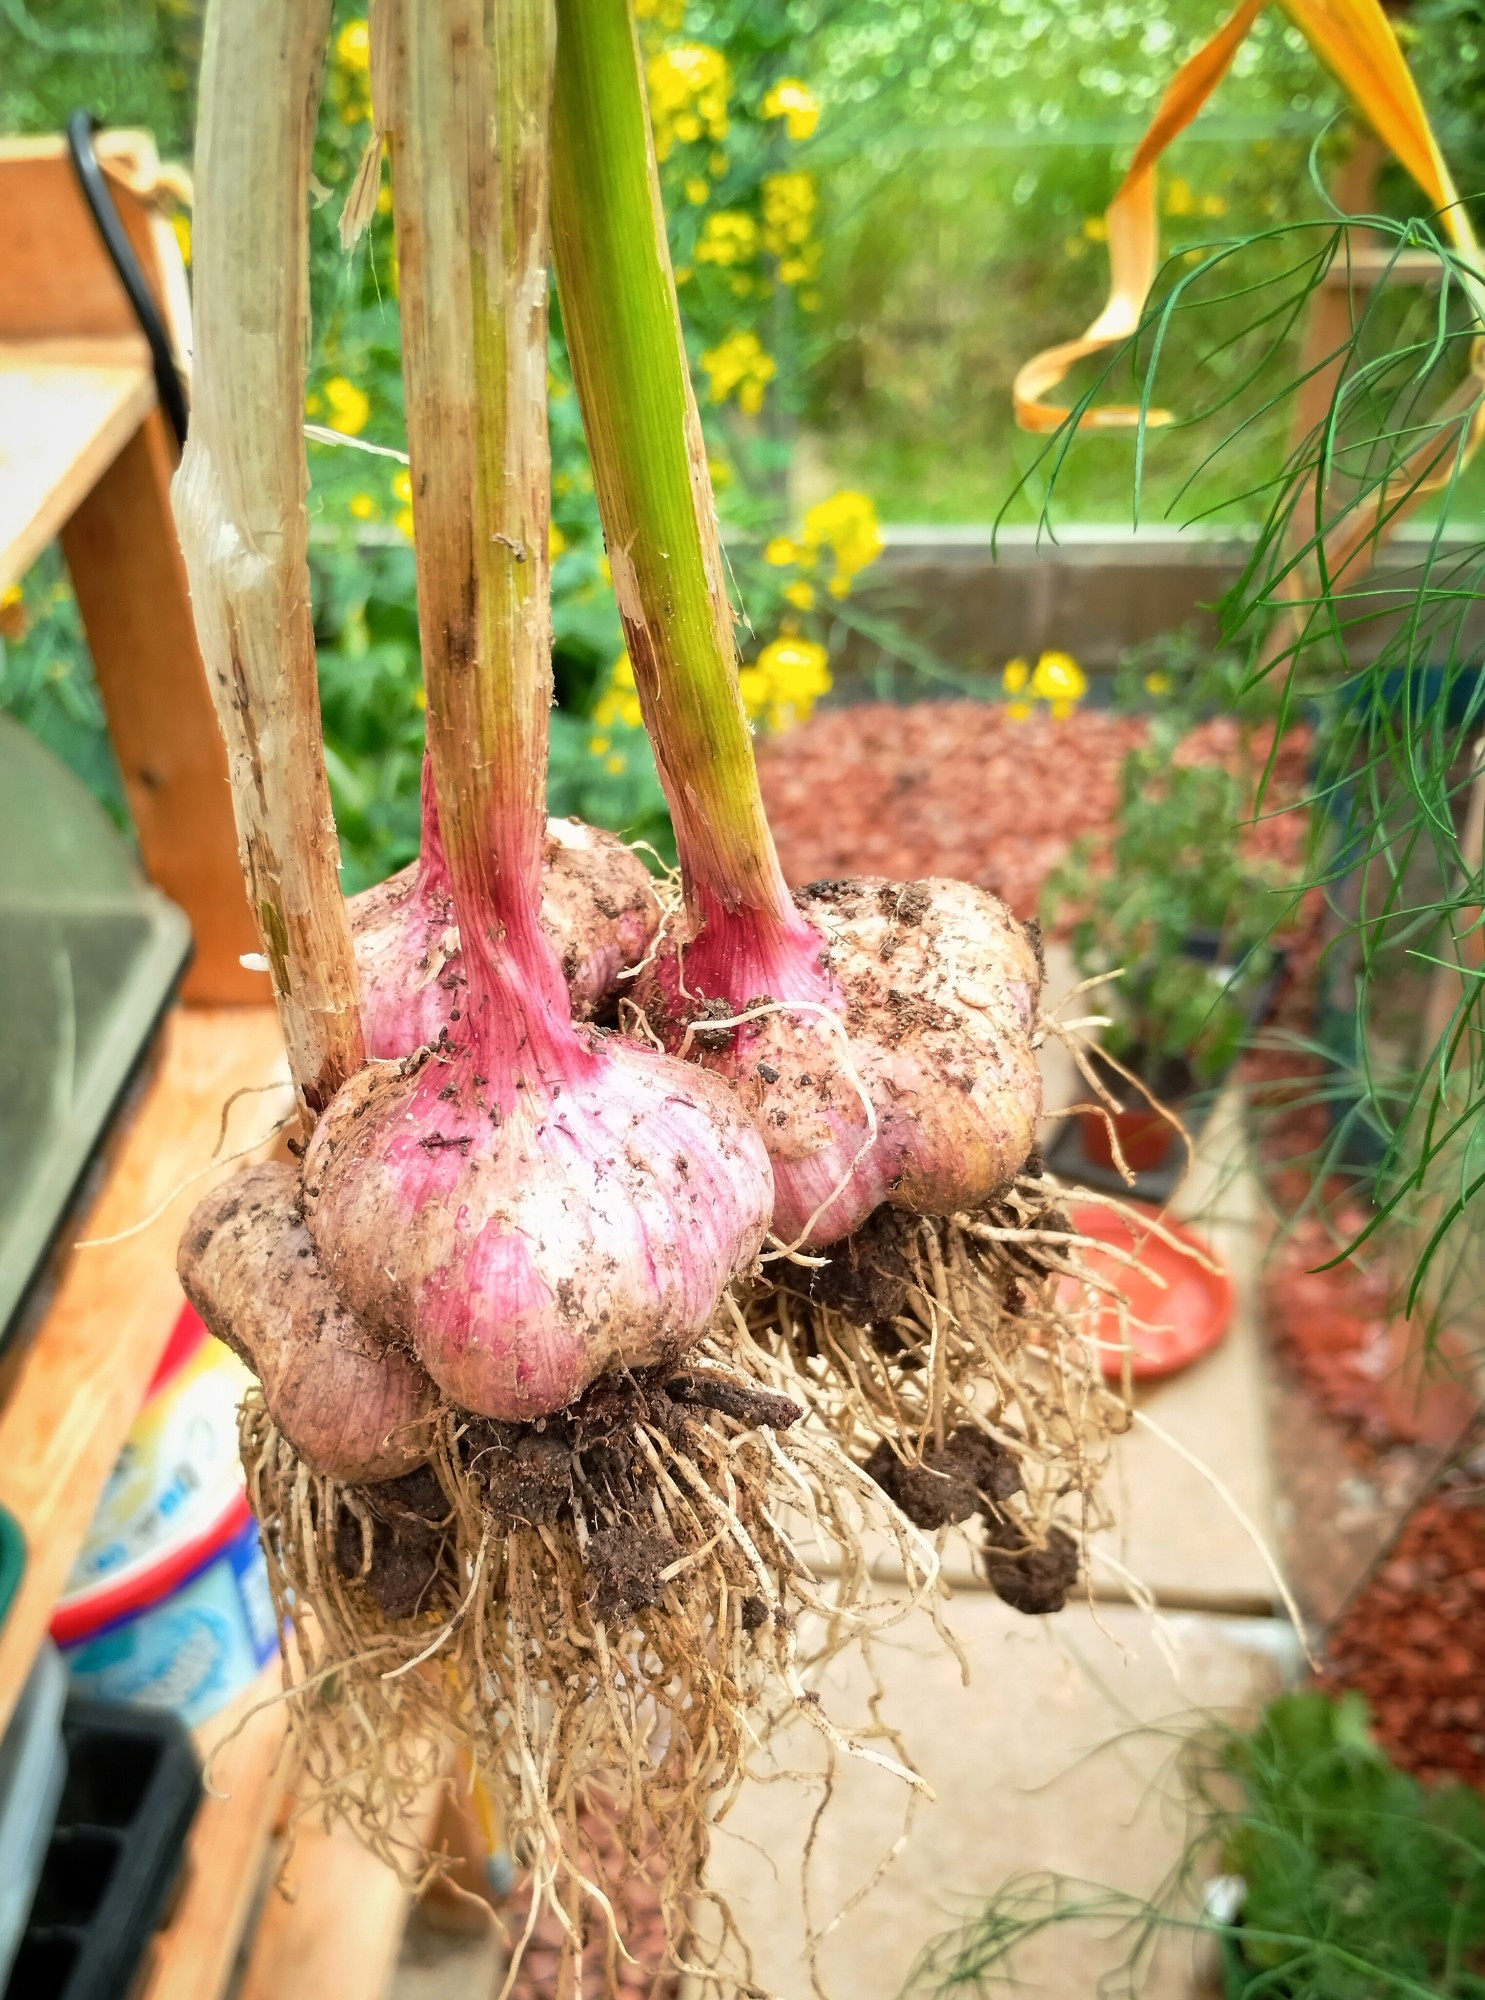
114	1863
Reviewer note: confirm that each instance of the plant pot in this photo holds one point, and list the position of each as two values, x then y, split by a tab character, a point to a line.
1145	1138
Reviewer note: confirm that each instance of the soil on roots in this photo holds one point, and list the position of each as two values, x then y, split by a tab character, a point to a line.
941	1352
604	1611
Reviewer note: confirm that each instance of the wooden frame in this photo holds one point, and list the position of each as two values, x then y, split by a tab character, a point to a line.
85	452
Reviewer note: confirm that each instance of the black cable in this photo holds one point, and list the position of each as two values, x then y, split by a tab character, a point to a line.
97	194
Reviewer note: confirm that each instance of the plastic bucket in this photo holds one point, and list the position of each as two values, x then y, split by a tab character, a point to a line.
168	1604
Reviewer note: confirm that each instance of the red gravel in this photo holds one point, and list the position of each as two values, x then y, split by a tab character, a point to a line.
957	788
1340	1333
629	1883
1413	1642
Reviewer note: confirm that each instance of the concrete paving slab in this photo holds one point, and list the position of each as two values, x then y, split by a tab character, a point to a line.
1063	1754
438	1964
1177	1532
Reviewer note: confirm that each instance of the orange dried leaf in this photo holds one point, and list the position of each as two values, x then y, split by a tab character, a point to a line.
1355	41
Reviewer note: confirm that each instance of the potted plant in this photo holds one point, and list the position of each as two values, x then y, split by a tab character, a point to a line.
1173	915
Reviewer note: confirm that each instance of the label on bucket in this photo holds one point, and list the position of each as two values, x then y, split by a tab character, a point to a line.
177	1473
196	1648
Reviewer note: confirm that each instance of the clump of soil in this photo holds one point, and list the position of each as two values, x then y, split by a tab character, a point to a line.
869	1275
1030	1578
953	1482
395	1538
1413	1640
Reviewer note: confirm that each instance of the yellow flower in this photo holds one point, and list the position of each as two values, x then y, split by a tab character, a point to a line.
801	595
669	13
384	199
605	569
1059	679
363	507
353	47
683	274
1179	200
721	473
402	520
716	166
1213	204
1157	683
697	191
810	301
742	286
1096	229
349	406
1018	711
796	270
615	764
796	104
312	404
785	681
618	703
556	541
1015	677
420	698
599	745
689	87
752	685
781	552
789	204
846	524
180	222
739	366
728	237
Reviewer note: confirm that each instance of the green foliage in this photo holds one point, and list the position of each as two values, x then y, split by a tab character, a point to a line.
1172	876
1354	1881
1359	1881
46	682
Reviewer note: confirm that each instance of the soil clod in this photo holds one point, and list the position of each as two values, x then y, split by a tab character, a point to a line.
624	1567
404	1519
954	1481
1032	1580
759	1409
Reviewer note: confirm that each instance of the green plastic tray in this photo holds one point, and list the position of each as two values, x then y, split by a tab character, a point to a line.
12	1560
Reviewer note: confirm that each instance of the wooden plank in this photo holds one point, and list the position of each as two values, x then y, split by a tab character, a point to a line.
67	409
77	1388
130	579
194	1954
58	280
335	1925
1362	268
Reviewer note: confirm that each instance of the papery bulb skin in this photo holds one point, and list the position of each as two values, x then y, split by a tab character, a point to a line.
352	1403
598	908
528	1235
936	984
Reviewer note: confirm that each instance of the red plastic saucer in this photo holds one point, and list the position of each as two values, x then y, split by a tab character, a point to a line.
1180	1309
